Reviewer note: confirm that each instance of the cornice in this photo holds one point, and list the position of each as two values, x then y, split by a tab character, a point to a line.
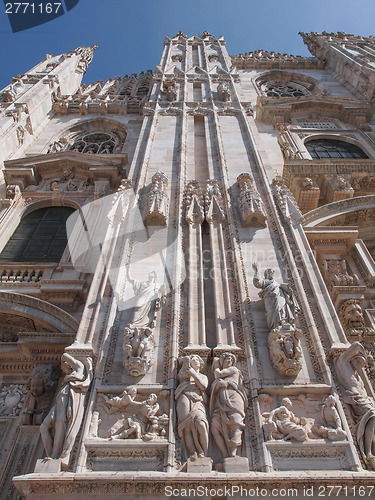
131	483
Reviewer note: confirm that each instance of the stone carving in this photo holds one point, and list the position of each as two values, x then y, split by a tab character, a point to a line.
176	58
228	404
138	349
251	205
12	398
20	135
348	369
363	183
86	55
285	350
286	201
213	202
194	203
283	424
157	208
138	341
60	427
191	410
351	317
287	145
170	89
57	146
41	386
12	192
139	420
332	427
223	91
336	274
307	194
279	301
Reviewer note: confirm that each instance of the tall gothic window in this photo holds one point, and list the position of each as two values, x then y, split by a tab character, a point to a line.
331	148
97	143
39	237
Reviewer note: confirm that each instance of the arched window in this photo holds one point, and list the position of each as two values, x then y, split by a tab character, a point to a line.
331	148
39	237
97	143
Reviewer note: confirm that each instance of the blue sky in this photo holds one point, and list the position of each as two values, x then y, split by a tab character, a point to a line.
130	33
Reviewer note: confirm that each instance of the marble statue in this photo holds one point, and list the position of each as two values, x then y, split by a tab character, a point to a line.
283	424
41	386
332	427
138	340
60	427
279	301
348	368
191	411
147	297
228	403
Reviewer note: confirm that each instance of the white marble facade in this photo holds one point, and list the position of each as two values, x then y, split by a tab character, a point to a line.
148	354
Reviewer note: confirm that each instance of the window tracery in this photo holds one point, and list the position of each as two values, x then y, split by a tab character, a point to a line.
332	148
272	89
95	143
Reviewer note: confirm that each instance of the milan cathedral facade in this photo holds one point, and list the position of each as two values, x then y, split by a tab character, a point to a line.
187	269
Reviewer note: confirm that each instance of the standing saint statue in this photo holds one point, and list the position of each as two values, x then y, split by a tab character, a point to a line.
348	365
279	301
228	404
191	411
148	295
138	340
60	427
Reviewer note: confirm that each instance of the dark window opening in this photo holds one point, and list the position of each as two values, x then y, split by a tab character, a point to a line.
330	148
39	237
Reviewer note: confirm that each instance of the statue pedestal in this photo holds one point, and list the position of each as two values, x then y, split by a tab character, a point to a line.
49	465
236	464
199	464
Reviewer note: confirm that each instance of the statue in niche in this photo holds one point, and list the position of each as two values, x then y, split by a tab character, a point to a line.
223	91
140	420
332	427
60	427
148	297
285	351
41	384
228	403
279	301
138	340
283	424
348	367
191	411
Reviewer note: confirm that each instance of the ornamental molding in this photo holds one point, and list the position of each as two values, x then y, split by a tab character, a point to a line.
346	109
141	483
43	311
339	208
274	60
34	169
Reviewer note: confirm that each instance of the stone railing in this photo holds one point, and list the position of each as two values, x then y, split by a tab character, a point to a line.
20	274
